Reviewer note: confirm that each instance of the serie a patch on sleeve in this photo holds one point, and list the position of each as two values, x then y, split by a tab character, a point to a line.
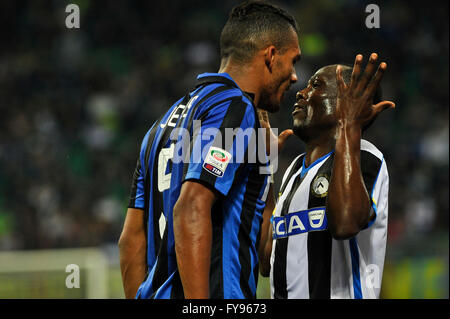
216	161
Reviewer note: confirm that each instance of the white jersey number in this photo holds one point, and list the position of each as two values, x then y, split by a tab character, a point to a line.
165	155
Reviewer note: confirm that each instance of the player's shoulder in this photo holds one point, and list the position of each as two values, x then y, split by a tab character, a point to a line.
372	159
219	92
369	148
228	102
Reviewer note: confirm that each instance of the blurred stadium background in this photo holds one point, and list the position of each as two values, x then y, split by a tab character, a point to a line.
75	104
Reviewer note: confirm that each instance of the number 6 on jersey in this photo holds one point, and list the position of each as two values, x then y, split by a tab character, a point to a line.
165	155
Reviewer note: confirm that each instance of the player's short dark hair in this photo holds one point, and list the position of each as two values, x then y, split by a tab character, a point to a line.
251	26
346	75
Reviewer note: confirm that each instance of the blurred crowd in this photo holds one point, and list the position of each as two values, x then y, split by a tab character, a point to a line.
76	103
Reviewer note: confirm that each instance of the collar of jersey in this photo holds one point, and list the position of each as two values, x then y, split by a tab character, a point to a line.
317	161
224	74
227	76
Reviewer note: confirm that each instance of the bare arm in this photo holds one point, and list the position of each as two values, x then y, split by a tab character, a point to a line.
132	252
265	244
348	203
193	237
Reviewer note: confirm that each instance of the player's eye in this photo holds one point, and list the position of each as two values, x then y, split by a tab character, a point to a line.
315	84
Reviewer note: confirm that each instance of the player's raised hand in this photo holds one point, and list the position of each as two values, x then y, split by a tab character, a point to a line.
271	138
355	100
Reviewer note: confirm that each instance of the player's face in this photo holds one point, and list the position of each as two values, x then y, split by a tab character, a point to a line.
315	106
283	74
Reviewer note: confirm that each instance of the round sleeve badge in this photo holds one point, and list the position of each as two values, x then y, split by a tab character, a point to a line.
319	186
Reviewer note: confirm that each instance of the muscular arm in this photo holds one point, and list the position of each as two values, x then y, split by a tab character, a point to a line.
132	252
192	228
265	244
348	202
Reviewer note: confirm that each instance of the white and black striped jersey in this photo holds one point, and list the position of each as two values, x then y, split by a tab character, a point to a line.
306	262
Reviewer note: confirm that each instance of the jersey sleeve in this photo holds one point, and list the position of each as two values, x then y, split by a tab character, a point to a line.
376	180
136	199
220	142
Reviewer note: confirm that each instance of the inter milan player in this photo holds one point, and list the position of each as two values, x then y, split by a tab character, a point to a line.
192	226
329	224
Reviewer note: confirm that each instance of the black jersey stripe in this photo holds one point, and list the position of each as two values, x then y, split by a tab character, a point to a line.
279	269
281	244
216	267
319	264
294	169
319	245
177	287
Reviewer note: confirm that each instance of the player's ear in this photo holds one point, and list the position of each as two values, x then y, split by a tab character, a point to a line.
269	57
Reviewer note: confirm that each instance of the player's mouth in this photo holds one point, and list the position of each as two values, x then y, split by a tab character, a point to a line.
299	106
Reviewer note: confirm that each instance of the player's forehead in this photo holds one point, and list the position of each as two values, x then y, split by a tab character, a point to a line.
292	45
326	74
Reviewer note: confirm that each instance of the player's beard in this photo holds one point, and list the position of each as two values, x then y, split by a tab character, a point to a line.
269	99
268	103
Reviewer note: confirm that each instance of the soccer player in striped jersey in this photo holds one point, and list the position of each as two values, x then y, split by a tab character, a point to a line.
329	225
194	219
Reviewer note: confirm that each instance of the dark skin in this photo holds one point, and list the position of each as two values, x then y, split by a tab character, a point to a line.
132	252
268	76
329	115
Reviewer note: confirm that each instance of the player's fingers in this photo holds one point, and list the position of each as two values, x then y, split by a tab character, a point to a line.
373	85
383	105
339	79
282	138
356	71
263	117
368	73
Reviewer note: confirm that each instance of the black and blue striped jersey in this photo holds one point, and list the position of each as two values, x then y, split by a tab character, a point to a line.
192	141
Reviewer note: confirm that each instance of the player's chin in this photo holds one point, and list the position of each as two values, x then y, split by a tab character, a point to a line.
274	108
299	128
271	107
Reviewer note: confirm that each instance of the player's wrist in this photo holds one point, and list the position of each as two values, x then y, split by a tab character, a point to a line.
350	127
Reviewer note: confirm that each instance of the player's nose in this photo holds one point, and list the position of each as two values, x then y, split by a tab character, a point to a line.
300	95
294	77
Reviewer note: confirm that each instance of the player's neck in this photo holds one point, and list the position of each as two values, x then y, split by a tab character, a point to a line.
245	77
318	147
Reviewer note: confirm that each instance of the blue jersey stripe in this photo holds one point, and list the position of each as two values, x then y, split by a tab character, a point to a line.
354	253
